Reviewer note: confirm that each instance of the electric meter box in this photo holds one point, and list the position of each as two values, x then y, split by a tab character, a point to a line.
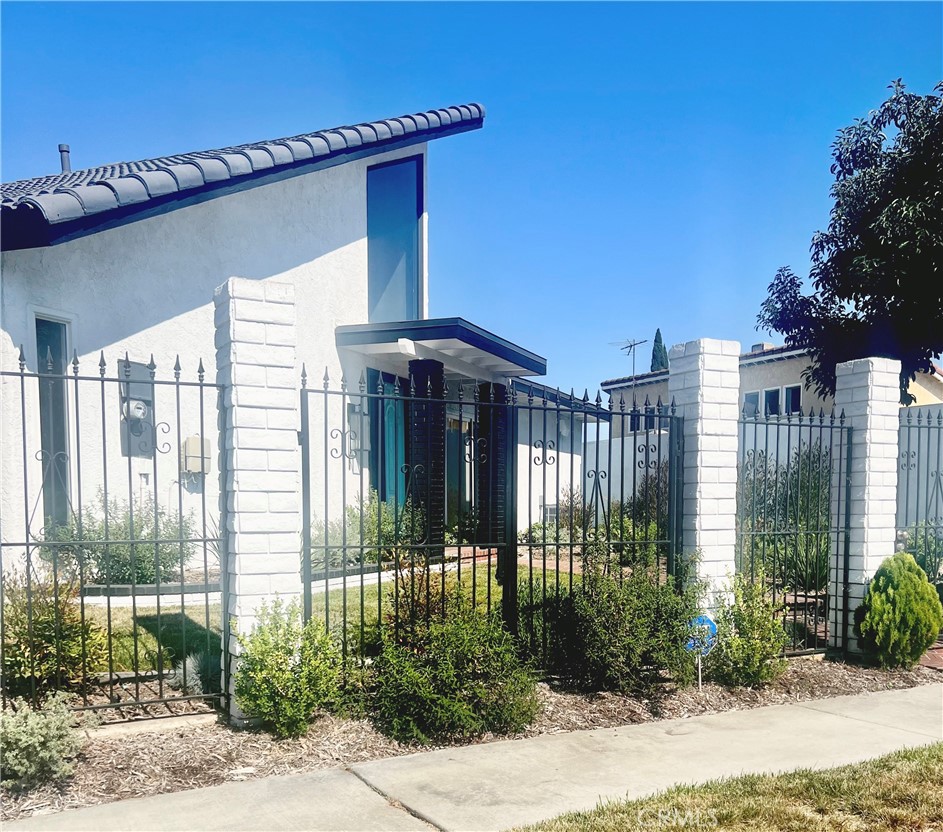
136	392
195	456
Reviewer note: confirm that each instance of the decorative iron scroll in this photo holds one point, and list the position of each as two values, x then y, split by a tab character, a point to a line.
545	452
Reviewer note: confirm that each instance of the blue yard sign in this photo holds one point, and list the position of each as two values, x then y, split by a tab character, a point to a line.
703	638
705	634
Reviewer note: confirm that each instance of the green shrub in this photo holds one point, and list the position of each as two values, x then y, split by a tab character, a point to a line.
546	623
287	670
628	631
462	678
417	597
750	636
635	542
140	546
372	531
901	615
548	533
46	643
36	745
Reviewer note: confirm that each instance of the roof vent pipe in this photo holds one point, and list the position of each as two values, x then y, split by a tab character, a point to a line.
64	158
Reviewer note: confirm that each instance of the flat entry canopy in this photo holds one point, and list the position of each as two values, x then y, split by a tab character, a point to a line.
466	351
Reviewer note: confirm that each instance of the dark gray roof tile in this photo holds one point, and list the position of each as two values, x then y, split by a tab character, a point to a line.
157	182
57	207
383	130
213	170
299	148
129	191
93	198
281	153
187	174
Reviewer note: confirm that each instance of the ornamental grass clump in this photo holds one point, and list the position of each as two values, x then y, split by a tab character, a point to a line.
901	615
750	636
287	670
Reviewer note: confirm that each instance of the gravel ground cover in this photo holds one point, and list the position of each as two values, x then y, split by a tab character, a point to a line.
153	760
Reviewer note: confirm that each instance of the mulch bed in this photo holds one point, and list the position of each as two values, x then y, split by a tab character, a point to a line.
117	767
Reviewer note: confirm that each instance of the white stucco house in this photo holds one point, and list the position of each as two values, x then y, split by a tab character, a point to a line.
114	268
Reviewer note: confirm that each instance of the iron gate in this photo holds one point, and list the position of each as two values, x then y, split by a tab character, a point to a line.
792	521
414	487
920	488
110	541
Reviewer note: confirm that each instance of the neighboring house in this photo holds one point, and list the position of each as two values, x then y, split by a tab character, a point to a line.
123	259
770	382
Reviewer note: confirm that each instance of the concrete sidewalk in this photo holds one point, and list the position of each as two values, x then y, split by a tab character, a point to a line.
503	784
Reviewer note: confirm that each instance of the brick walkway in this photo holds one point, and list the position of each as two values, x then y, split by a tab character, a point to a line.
934	656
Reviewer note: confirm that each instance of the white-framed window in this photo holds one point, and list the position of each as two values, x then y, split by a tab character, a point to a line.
792	398
51	343
773	401
751	403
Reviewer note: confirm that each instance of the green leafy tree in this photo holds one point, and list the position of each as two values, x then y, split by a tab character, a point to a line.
877	271
659	353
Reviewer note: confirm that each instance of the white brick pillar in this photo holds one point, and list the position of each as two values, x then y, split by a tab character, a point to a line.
868	392
260	498
704	383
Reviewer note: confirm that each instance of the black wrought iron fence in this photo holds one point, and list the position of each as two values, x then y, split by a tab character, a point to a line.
920	489
419	490
110	541
792	493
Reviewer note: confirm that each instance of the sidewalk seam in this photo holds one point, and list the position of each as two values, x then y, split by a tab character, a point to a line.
395	802
922	734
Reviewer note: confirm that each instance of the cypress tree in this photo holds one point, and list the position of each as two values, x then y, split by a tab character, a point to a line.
659	353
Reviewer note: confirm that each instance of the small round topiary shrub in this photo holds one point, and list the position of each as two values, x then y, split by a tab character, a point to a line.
287	671
901	615
460	678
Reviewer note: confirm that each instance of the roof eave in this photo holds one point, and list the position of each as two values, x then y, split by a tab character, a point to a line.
25	226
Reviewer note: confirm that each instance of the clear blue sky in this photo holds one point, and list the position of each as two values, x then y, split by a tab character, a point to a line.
641	166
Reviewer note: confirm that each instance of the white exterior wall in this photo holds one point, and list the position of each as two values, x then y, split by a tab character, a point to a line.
546	472
147	288
627	461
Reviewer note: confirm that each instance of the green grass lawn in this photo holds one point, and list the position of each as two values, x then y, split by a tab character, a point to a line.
896	792
176	634
172	633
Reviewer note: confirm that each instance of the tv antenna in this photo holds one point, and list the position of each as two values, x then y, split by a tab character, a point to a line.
628	347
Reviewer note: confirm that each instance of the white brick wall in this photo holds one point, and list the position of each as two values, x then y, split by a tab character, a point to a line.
704	383
255	361
867	390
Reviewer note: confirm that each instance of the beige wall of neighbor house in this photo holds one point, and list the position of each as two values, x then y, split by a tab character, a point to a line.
771	370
